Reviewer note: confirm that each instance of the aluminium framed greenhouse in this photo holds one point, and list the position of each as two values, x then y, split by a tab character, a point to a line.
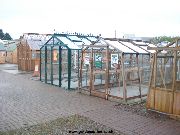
60	59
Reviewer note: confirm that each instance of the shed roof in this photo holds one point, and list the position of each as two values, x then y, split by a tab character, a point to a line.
35	40
35	44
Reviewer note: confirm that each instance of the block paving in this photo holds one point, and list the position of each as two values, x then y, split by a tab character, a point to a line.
26	102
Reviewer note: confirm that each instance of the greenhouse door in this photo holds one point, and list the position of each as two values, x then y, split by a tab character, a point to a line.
99	76
97	85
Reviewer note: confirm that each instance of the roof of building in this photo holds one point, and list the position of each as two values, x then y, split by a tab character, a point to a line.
35	40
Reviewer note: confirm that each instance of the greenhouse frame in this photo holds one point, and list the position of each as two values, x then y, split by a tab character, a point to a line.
115	68
164	87
60	59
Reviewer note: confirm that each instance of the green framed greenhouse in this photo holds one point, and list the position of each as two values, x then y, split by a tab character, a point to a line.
60	59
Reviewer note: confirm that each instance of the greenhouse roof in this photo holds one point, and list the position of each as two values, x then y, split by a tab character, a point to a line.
69	43
134	47
144	46
119	46
140	43
126	46
72	41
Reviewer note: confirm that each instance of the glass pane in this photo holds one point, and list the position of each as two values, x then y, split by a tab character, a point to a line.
64	63
43	64
74	68
55	65
178	72
48	64
164	72
85	70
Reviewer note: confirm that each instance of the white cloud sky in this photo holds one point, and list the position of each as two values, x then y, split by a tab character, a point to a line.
139	17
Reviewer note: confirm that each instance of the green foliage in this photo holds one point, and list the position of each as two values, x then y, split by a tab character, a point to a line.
1	34
7	37
160	39
4	36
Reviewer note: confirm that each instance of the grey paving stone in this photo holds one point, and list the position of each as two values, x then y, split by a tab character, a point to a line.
25	102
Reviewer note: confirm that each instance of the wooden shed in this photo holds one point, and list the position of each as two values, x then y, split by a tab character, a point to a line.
2	53
164	88
11	52
112	68
28	50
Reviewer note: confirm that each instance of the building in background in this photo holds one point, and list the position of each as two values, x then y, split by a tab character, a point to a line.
11	51
2	53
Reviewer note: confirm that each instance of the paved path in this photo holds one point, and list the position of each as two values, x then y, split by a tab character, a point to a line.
27	102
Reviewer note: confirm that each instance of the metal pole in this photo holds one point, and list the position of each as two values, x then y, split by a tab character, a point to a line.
51	65
69	69
45	64
60	66
40	64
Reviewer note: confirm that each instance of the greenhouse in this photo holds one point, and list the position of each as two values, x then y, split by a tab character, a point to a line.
114	68
164	90
60	59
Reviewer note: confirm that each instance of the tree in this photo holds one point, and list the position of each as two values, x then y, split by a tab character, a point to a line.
160	39
7	37
1	34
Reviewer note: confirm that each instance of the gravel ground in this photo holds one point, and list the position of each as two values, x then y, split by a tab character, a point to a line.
140	109
63	126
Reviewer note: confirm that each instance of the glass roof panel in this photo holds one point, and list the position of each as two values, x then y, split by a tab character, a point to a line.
85	41
140	43
92	38
151	45
74	38
70	44
133	47
119	46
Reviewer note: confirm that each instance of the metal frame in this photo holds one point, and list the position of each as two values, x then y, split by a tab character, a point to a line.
60	44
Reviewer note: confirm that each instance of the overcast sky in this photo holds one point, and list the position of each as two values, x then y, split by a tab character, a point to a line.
139	17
